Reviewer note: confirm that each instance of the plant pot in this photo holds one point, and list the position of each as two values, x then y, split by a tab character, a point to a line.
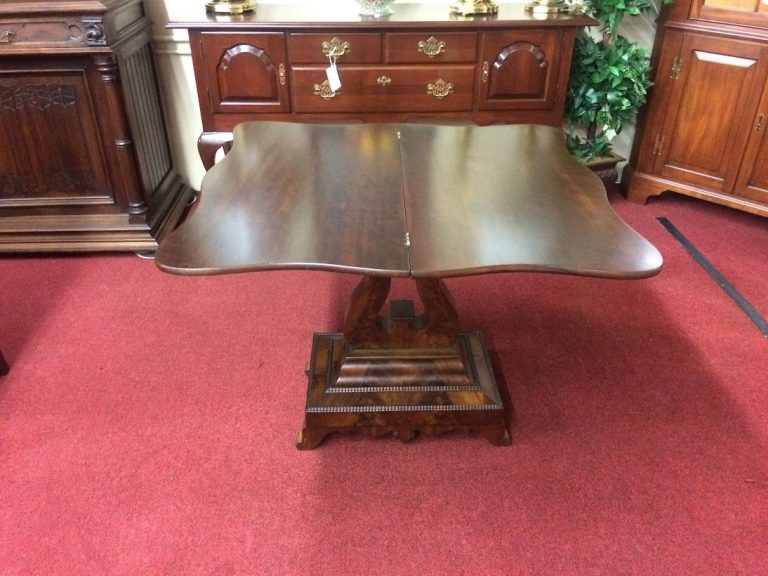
605	168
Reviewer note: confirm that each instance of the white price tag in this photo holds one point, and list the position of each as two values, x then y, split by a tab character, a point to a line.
334	82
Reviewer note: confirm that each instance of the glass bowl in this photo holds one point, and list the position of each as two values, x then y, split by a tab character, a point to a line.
375	8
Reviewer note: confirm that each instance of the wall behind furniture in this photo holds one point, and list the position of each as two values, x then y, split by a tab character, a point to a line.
177	84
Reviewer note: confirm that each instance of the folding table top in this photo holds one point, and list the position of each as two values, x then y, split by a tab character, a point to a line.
415	200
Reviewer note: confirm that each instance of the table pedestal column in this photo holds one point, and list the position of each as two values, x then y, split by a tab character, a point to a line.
401	373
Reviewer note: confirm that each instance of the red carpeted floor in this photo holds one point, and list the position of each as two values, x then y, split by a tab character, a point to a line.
147	425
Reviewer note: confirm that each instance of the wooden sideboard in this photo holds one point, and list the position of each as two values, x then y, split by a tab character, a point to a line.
703	132
84	158
420	64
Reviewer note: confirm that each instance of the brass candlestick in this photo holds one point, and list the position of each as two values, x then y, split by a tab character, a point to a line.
230	6
547	7
469	7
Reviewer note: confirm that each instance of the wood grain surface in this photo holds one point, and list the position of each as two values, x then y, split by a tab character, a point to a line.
471	199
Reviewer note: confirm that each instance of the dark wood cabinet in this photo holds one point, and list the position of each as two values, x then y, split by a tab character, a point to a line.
84	159
703	133
421	63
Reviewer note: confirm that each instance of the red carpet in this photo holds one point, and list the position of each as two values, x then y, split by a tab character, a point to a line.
148	421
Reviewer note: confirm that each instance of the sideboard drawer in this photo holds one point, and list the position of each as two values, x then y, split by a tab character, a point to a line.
421	47
54	33
384	89
348	48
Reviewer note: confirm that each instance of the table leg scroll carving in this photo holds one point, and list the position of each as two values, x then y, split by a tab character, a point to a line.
362	323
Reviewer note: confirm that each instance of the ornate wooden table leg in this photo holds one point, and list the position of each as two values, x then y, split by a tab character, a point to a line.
401	373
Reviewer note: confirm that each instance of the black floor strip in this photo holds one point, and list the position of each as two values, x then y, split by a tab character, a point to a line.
715	274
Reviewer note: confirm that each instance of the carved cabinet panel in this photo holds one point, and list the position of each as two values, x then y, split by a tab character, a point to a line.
54	109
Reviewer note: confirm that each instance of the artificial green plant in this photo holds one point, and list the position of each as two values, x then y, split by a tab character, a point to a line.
610	77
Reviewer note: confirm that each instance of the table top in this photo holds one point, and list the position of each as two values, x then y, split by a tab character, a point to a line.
416	200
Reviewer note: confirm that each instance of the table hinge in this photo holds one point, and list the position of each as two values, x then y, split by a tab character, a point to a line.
658	143
677	66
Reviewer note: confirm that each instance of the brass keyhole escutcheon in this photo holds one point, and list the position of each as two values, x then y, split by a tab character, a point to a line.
384	81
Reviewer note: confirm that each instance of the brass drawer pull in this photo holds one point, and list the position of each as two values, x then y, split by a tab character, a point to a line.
431	46
440	89
324	91
384	81
335	48
6	35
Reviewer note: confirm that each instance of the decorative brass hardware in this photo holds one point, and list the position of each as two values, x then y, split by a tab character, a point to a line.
547	7
431	47
760	122
335	48
324	91
486	70
469	7
281	74
677	66
230	6
6	35
440	89
383	80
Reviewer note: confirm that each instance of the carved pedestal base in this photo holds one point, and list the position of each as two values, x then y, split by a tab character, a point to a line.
401	393
401	374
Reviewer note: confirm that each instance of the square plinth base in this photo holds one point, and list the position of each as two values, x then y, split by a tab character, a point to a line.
401	392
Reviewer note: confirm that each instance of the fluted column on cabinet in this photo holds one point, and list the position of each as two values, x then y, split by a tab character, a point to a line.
124	164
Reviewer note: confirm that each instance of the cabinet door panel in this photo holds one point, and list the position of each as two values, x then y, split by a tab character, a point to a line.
711	107
519	69
245	72
49	136
753	176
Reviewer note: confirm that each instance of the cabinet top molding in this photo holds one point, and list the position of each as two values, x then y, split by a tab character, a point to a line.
414	15
73	7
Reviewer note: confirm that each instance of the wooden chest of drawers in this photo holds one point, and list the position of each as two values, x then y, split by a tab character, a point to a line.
420	64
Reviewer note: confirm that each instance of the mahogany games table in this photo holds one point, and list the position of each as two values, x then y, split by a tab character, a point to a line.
413	200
